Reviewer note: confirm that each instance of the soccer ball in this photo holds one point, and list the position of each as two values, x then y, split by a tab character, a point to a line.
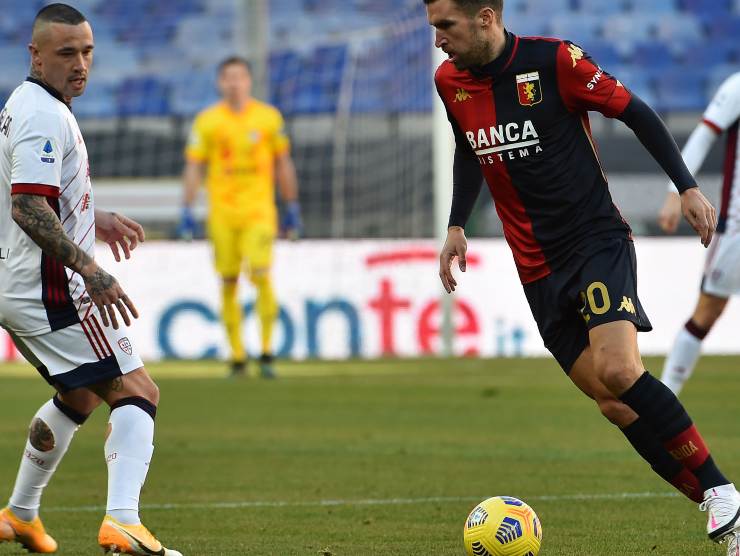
502	526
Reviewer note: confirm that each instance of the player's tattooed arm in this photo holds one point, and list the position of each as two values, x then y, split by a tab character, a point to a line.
35	217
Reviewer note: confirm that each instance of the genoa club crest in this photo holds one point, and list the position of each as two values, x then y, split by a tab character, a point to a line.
529	89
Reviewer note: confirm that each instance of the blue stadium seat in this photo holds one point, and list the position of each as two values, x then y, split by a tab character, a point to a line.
654	56
601	7
537	8
706	7
652	6
189	94
99	101
626	31
711	53
687	28
583	29
681	89
143	96
15	63
603	52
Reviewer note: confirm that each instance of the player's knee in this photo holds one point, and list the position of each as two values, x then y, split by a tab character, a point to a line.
259	276
82	401
151	392
618	373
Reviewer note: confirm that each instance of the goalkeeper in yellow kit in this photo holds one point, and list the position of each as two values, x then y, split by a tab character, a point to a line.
239	147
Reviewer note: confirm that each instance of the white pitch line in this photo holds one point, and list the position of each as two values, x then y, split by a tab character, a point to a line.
365	502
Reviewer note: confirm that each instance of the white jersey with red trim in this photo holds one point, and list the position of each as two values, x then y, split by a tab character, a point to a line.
723	114
42	153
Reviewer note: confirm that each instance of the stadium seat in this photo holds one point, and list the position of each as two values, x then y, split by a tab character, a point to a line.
601	7
583	29
676	92
603	52
652	6
143	96
190	93
99	101
685	26
706	7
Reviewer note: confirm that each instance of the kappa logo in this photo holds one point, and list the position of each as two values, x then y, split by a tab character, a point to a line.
627	305
125	345
47	154
529	88
461	95
576	54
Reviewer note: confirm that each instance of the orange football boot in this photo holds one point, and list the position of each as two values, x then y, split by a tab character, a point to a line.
118	538
30	534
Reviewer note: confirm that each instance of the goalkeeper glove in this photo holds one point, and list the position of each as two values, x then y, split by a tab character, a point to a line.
291	225
187	227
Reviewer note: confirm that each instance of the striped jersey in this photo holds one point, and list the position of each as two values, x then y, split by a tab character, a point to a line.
524	118
723	114
42	153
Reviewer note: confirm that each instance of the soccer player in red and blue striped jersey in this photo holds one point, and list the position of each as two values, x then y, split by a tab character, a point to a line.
518	108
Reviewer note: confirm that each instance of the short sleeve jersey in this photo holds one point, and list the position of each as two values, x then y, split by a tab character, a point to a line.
42	153
240	151
723	114
524	117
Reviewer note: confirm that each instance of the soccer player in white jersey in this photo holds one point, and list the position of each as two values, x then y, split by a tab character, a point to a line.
59	306
722	270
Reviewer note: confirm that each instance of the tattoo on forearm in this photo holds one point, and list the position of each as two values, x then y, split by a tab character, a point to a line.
40	436
34	215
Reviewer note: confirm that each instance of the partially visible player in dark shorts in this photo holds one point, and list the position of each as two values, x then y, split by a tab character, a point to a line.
518	107
585	293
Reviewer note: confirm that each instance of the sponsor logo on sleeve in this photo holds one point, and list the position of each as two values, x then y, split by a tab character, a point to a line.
47	153
529	88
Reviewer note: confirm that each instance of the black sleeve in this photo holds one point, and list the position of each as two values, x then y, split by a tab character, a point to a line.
654	135
467	179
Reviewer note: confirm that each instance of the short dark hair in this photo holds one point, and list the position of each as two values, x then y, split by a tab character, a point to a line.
472	7
59	13
235	60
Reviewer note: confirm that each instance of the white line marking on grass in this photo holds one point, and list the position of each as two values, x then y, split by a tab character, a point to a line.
365	502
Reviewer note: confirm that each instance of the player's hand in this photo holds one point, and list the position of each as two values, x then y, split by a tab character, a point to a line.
187	227
291	224
700	213
455	246
108	296
670	213
118	231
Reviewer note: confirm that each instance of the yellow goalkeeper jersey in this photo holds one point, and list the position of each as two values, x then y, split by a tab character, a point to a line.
239	150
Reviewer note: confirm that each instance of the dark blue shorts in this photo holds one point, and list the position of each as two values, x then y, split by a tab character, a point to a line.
591	290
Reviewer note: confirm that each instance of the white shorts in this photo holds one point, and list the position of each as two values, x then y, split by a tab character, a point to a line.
722	271
81	354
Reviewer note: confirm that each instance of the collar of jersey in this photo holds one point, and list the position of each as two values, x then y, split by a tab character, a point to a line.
53	92
502	62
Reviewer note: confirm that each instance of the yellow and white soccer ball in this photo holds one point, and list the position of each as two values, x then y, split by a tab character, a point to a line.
502	526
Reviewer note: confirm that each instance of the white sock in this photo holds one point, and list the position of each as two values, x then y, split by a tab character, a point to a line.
38	465
680	363
128	452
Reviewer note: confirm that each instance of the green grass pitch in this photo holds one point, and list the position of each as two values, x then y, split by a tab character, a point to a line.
379	458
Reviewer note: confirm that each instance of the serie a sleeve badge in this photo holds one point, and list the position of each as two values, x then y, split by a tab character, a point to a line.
529	88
